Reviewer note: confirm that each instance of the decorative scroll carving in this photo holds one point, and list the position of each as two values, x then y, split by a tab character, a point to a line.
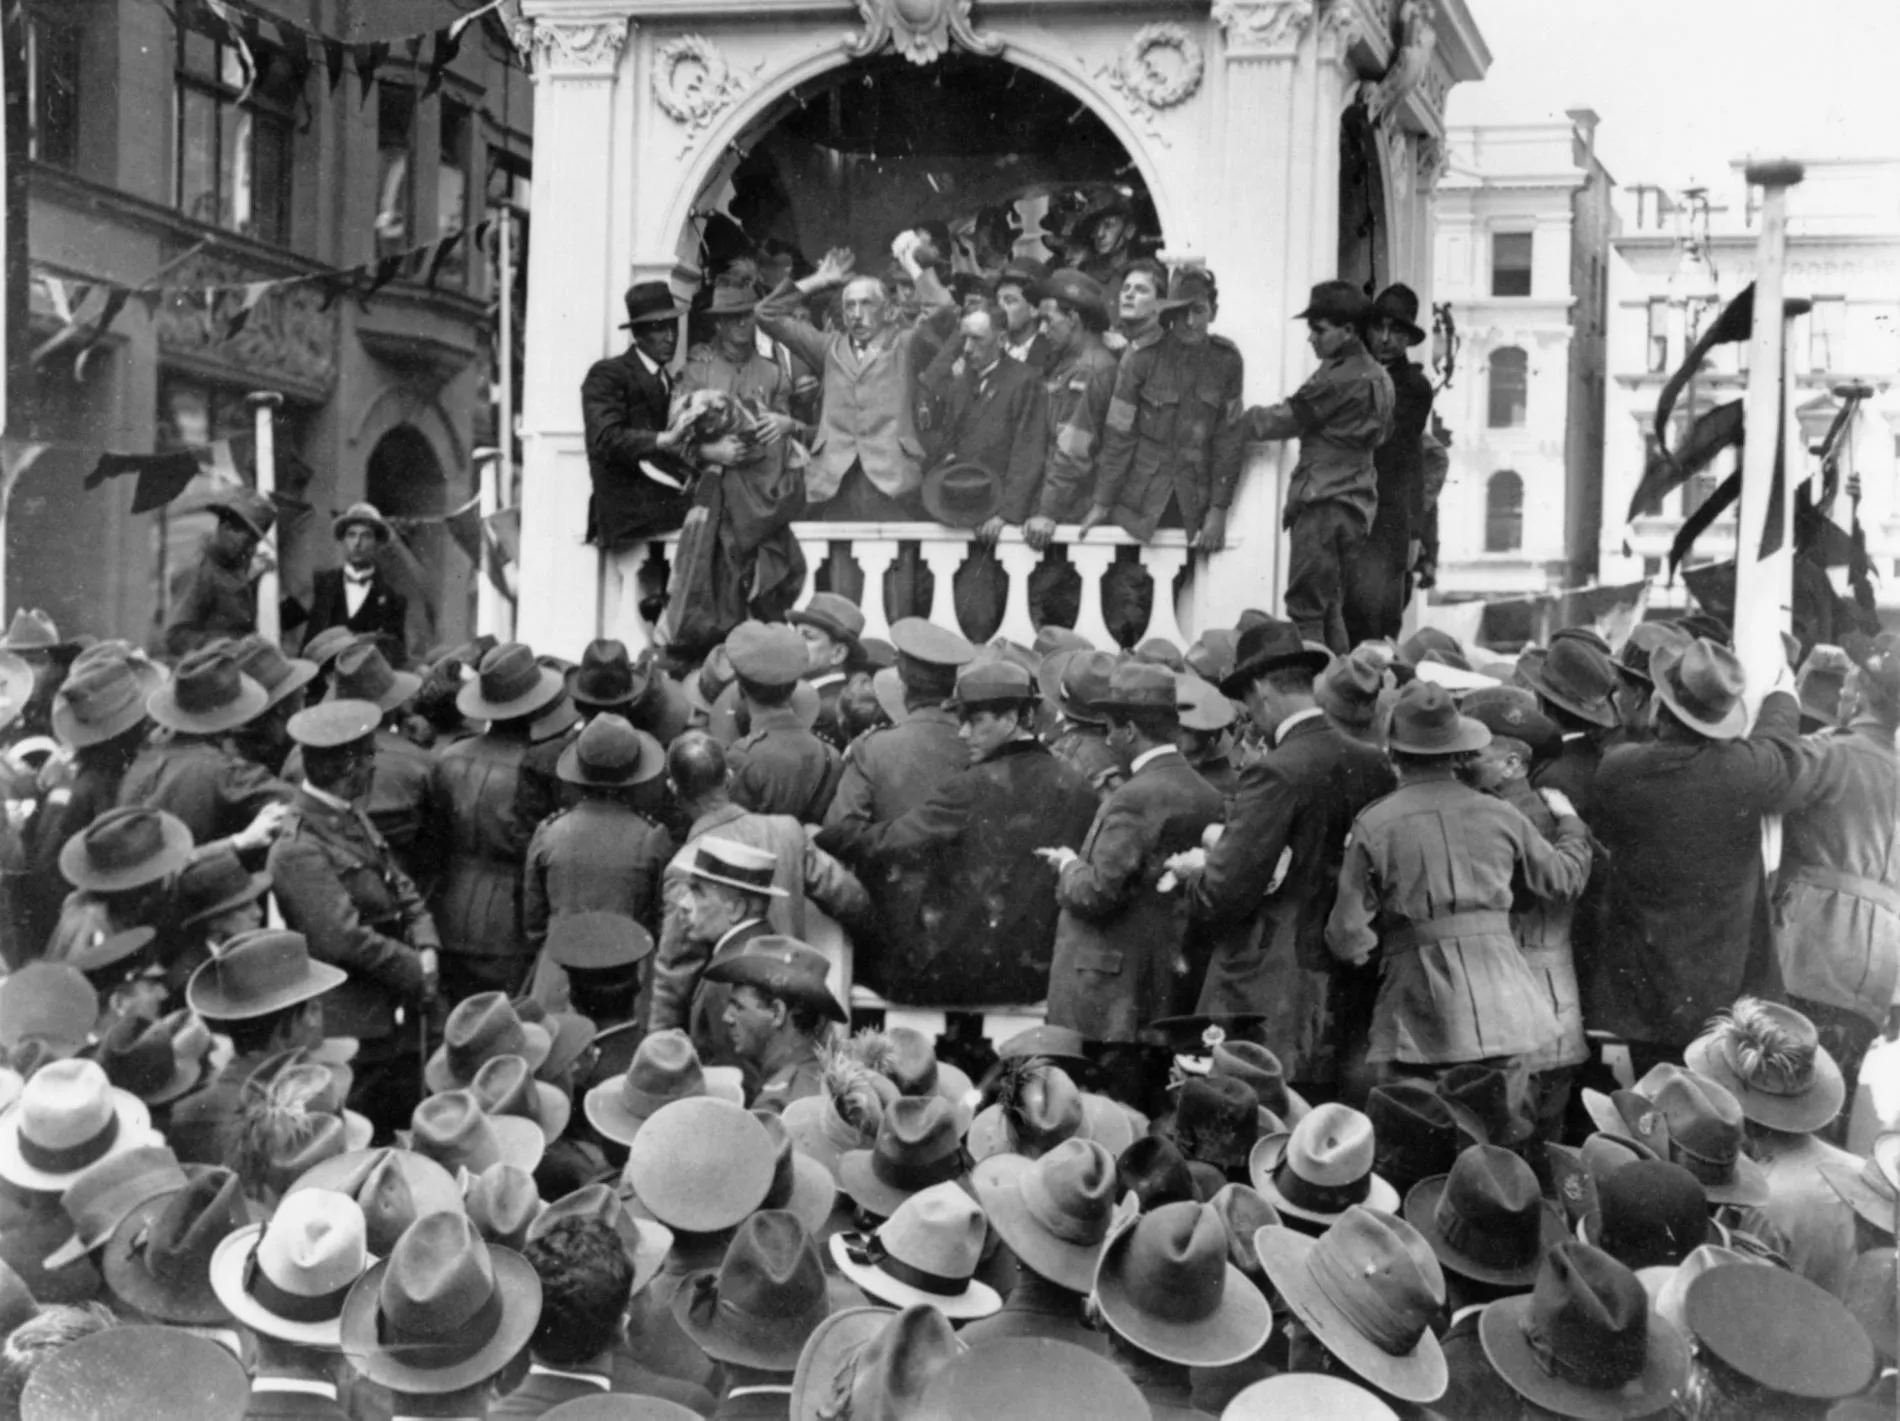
289	336
1338	22
1262	28
590	49
693	84
1418	40
1433	159
920	30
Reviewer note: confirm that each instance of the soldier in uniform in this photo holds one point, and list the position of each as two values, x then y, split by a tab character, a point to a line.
1080	383
1072	682
777	1016
780	767
831	625
339	885
220	599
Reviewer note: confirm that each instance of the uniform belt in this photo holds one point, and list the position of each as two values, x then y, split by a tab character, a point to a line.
1872	889
1413	934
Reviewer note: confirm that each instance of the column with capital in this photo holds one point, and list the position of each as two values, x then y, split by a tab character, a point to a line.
572	320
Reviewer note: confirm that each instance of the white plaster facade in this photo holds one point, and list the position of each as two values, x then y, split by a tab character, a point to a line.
1512	181
1243	171
1672	273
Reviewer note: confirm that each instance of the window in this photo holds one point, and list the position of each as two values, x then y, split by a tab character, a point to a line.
1510	263
1827	329
451	186
52	81
1652	451
1510	379
395	135
1503	513
231	162
1658	334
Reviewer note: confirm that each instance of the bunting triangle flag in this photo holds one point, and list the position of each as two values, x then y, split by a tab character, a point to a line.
334	59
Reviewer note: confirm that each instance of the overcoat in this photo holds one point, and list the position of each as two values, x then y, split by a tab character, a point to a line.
472	799
624	409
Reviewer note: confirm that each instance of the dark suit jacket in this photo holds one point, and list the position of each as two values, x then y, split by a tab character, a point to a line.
384	613
624	410
1005	429
292	1406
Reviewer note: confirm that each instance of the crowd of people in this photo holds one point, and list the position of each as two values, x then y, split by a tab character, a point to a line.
1421	1032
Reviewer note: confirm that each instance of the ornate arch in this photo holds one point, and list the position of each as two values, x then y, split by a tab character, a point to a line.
401	404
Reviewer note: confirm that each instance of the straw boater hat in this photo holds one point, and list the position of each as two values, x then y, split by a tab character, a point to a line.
154	1373
1486	1220
1689	1120
207	695
1055	1213
510	685
124	849
287	1279
1164	1284
360	515
69	1116
872	1363
393	1187
763	1301
257	973
1770	1058
481	1027
665	1068
1321	1167
735	865
925	1252
701	1165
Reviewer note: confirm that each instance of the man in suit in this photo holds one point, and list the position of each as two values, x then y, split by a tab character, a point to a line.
1017	298
991	411
357	596
1267	884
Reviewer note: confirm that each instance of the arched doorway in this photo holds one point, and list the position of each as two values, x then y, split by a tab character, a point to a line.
1365	249
404	480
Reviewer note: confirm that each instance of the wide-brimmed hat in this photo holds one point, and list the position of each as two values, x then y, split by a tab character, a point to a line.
1141	686
1338	301
1782	1332
1164	1284
125	848
611	754
1481	1099
1576	676
646	1242
509	685
1867	1188
68	1116
1321	1167
1689	1120
1186	285
1243	1213
845	1115
1368	1289
216	884
762	1303
1770	1058
504	1201
1261	1072
834	614
875	1361
1350	689
1075	681
1702	684
1043	1041
138	1055
801	1185
1031	1377
650	301
263	660
1076	289
480	1027
665	1068
1054	1212
786	968
927	1251
328	644
50	1005
363	515
1269	645
259	972
1202	707
700	1164
606	678
121	950
1511	711
1311	1396
596	942
159	1258
918	1146
506	1086
1648	1213
1585	1341
1398	305
248	509
444	1311
208	694
393	1187
99	700
454	1130
154	1373
962	495
288	1278
362	673
101	1195
1426	721
1486	1219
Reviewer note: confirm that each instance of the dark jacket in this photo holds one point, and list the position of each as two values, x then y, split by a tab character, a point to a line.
219	601
1038	1308
782	768
1118	935
624	409
1001	424
1399	462
1079	387
1086	748
978	923
472	788
215	792
398	799
1341	415
598	857
384	613
1174	428
1686	931
338	885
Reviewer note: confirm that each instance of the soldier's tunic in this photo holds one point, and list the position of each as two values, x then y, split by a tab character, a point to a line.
1174	433
216	793
782	768
1080	385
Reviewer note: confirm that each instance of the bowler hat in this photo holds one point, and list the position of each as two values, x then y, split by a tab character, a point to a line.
876	1362
1269	645
918	1145
1054	1212
1164	1284
700	1165
1338	301
207	695
1349	690
1689	1120
834	614
1782	1332
1578	677
611	754
1770	1058
1702	685
360	515
504	1203
484	1025
1141	686
763	1301
926	1251
1031	1376
50	1004
334	724
98	701
1649	1212
735	865
650	301
125	848
962	494
1485	1219
509	685
606	678
766	653
1075	289
362	673
154	1373
217	884
393	1187
288	1278
263	660
646	1242
247	508
784	967
1425	721
159	1258
1322	1167
443	1312
259	972
1398	304
665	1068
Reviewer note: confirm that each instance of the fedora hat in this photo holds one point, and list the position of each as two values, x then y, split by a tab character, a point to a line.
1585	1341
97	702
454	1130
606	677
1164	1284
1075	682
32	630
1054	1212
138	1056
611	754
701	1165
569	1033
1216	1121
1578	677
247	508
962	495
393	1188
784	967
125	848
704	687
217	884
1702	685
504	1203
1398	305
1668	1285
1269	645
918	1146
208	694
736	865
154	1373
650	301
1512	711
100	1196
1031	1376
1485	1219
264	662
596	942
158	1260
729	299
1770	1058
360	515
1425	721
288	1278
1311	1396
363	674
1261	1072
1368	1289
801	1185
1321	1167
326	645
1648	1213
50	1004
443	1312
1351	688
665	1068
480	1027
506	1086
509	685
257	973
1691	1121
837	616
1780	1331
871	1363
68	1116
911	1064
1211	654
1186	285
762	1303
1141	686
1338	301
1481	1099
926	1251
1154	1171
1076	290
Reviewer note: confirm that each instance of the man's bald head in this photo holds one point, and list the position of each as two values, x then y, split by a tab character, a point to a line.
696	765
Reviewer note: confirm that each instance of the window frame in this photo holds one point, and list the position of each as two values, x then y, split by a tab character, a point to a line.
391	242
1503	355
71	36
1498	270
1500	515
266	114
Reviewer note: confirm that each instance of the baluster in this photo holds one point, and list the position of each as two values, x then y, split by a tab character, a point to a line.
1018	560
943	553
874	557
1091	560
1164	563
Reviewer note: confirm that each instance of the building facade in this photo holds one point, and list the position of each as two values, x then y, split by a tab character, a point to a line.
172	156
1679	258
1524	221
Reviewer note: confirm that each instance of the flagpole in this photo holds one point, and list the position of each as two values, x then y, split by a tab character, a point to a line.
264	405
1764	587
492	611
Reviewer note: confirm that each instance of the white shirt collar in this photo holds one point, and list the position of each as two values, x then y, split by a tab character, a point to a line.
653	366
758	1391
358	574
1280	730
595	1379
306	1386
1148	755
735	928
323	796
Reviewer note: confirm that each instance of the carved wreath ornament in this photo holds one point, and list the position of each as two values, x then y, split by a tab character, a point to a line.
692	81
1161	66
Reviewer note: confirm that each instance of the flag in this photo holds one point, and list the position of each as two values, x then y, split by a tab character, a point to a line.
1734	324
447	42
333	59
1712	432
503	531
253	293
161	477
116	297
465	526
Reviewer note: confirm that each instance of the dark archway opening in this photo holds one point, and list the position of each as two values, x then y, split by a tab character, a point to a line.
405	481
